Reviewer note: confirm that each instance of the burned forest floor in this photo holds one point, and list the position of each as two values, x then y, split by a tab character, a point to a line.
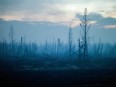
65	73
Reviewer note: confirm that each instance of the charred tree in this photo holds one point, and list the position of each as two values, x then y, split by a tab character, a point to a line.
85	26
11	35
70	41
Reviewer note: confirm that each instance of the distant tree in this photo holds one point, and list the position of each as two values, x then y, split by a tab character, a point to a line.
21	47
70	41
100	48
85	26
58	47
11	35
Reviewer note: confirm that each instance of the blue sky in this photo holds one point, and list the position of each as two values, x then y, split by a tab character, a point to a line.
40	20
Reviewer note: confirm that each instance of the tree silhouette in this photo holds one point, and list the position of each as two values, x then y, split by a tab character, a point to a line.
70	41
85	26
70	38
11	35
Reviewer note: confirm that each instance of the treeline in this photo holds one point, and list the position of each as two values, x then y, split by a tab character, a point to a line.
23	49
56	49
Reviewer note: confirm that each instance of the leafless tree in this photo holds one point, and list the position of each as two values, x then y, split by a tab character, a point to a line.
70	38
70	41
11	35
100	48
85	26
58	47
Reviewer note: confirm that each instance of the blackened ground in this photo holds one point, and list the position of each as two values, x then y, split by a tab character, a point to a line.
59	78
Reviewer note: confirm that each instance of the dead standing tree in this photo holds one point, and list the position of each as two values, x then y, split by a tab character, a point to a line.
85	26
70	41
11	35
70	38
